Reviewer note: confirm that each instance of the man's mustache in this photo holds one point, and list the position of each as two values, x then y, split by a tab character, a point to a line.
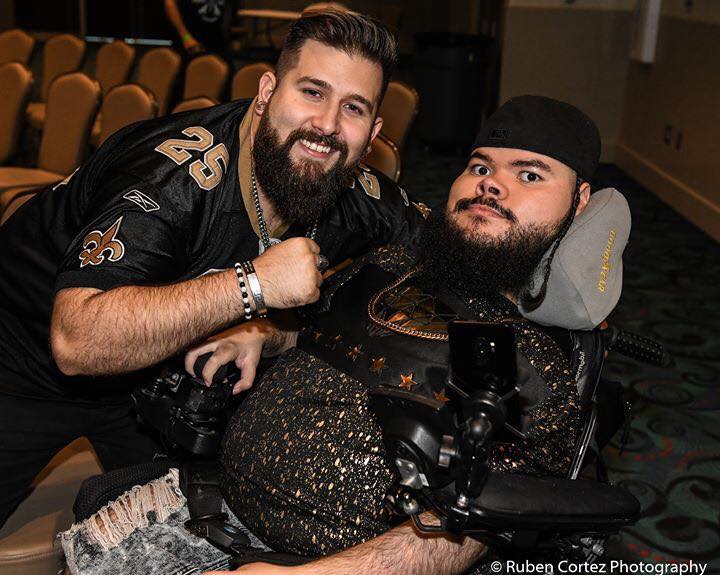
331	141
465	203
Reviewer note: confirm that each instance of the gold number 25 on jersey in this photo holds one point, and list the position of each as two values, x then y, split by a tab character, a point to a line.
206	172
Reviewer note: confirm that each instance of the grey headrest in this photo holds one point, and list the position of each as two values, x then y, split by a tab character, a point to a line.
586	274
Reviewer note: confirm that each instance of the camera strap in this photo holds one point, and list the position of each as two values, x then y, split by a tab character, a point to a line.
200	483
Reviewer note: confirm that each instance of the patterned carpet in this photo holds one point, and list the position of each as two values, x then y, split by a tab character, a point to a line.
671	462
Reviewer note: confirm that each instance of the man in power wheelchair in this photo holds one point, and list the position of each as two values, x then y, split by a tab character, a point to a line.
430	388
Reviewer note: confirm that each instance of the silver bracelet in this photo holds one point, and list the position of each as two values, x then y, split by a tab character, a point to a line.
254	283
243	291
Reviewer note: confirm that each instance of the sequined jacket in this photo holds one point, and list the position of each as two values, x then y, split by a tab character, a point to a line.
304	459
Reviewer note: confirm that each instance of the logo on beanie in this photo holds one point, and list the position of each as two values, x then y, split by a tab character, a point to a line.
499	134
605	268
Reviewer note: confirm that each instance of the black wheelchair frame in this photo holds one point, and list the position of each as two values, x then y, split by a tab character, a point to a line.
560	518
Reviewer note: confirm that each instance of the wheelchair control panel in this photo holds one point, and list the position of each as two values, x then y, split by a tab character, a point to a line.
440	451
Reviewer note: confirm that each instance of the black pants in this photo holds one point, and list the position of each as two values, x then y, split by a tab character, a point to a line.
33	431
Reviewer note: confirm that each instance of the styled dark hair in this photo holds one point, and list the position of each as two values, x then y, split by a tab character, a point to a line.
353	33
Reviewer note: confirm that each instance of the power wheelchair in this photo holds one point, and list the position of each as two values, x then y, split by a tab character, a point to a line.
439	451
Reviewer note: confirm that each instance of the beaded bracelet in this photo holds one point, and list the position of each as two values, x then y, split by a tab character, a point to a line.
254	283
243	291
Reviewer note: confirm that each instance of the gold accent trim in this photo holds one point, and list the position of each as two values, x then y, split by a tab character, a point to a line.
372	313
435	336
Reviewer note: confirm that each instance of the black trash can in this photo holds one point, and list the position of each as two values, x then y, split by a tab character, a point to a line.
450	76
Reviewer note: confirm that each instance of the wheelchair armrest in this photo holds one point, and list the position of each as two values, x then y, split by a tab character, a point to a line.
514	501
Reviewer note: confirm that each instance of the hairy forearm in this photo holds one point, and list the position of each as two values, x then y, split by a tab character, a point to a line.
132	327
403	551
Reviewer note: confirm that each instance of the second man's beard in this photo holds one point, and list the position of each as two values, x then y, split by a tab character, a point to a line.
302	191
473	263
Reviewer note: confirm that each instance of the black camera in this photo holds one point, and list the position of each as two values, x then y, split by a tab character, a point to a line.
188	414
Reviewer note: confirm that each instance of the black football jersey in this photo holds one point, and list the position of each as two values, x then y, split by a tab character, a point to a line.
159	202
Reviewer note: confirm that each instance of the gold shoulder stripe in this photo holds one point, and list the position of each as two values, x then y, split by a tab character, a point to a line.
369	183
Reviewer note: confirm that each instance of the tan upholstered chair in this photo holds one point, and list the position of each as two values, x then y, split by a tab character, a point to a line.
206	76
384	156
27	541
62	54
398	110
113	64
246	79
122	106
15	85
194	104
158	72
71	108
112	68
15	46
18	199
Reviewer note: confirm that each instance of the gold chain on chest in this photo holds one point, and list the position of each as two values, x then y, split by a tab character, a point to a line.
422	334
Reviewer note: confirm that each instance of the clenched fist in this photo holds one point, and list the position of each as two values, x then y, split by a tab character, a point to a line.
288	273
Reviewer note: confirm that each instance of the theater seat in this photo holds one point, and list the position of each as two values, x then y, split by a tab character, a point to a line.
112	69
398	110
17	181
194	104
62	54
113	64
246	79
20	196
71	109
122	106
384	156
15	85
27	541
157	72
206	76
15	46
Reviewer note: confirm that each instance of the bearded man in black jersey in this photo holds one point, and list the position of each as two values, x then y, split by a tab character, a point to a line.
167	235
303	465
526	180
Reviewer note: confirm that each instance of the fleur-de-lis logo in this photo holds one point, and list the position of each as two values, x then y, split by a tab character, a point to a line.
97	243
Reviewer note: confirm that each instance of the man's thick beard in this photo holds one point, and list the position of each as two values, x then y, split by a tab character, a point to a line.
301	193
475	263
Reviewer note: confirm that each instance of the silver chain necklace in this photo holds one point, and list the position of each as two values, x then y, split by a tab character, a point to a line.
265	240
